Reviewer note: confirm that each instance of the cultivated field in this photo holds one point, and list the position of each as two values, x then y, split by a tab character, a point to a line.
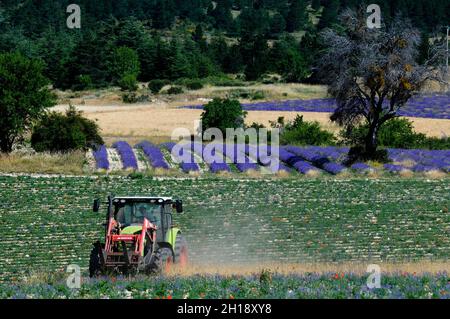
47	223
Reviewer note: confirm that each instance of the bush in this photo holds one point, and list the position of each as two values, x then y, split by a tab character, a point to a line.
84	83
129	97
224	81
62	133
128	82
175	90
194	85
300	132
258	95
395	133
156	85
223	114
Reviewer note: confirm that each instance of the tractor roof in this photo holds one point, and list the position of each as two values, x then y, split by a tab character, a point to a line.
138	198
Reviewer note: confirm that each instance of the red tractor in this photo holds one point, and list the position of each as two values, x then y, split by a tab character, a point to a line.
139	237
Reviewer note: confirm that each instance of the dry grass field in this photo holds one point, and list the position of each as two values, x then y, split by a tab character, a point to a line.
155	120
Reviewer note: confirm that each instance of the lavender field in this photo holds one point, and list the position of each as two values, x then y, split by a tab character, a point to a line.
436	106
276	286
292	159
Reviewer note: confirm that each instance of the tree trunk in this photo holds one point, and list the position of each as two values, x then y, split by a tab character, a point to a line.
372	141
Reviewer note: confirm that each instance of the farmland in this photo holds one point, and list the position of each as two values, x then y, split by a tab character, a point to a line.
264	285
294	160
46	222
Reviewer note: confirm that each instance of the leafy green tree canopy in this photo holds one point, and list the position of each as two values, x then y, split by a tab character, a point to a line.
24	95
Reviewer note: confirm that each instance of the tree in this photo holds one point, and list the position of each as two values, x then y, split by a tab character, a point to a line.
297	16
24	95
424	48
254	49
329	14
277	24
287	60
223	114
315	4
125	68
372	73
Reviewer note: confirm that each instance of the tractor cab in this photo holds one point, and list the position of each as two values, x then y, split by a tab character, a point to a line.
130	213
139	235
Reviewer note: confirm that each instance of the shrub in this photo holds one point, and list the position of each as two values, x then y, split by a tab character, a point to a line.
129	97
156	85
258	95
194	85
435	143
84	83
128	82
300	132
58	132
175	90
395	133
224	81
223	114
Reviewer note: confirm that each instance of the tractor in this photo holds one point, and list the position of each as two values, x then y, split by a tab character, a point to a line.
139	237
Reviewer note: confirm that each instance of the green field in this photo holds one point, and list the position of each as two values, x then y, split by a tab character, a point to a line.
46	223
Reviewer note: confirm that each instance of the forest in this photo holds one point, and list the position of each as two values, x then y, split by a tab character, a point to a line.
122	41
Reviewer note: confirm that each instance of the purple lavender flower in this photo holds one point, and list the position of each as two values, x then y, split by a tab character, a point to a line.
215	161
186	166
243	162
101	157
360	167
154	154
126	154
333	168
430	106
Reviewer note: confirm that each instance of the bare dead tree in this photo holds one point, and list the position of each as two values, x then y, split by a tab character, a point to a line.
372	73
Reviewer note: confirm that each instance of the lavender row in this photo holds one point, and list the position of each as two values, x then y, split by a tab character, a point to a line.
101	157
214	159
153	154
186	166
302	159
243	162
318	159
126	154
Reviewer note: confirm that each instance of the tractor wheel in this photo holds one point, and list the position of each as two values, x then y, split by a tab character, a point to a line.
161	262
181	251
95	267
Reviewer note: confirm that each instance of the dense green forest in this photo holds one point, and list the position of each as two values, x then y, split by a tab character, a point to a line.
123	40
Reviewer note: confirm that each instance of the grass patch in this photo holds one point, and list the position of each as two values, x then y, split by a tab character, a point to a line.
56	163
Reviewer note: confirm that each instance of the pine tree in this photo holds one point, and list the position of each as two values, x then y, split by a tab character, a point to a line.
297	16
329	14
424	48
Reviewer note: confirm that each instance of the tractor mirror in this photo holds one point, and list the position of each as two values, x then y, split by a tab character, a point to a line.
179	206
96	206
